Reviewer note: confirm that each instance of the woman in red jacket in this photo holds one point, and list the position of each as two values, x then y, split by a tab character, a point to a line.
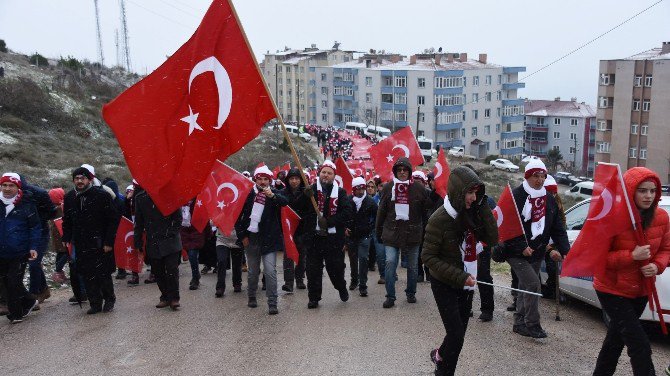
621	288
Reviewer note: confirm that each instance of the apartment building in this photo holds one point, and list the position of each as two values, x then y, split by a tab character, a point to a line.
568	126
290	78
446	97
633	116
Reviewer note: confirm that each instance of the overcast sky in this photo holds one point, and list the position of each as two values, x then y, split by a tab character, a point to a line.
527	33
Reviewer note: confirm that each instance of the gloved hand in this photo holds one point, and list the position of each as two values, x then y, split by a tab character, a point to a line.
308	191
323	223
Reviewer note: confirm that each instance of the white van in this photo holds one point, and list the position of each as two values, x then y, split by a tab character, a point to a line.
581	190
379	132
355	128
426	146
294	131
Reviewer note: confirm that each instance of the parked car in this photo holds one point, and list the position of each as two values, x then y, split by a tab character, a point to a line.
581	190
582	288
528	158
354	127
566	178
294	131
504	164
426	146
379	132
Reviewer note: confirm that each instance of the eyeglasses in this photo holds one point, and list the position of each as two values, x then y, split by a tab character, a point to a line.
402	169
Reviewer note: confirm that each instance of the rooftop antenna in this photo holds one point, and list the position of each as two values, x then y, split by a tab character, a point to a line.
124	36
118	47
101	56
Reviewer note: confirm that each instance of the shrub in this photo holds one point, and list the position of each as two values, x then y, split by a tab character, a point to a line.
3	46
489	158
71	63
39	60
24	99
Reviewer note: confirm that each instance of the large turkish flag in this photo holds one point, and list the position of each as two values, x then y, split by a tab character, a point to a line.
289	223
343	176
441	172
125	254
507	216
401	144
205	102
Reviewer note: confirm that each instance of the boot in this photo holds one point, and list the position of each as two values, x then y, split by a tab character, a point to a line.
252	303
194	285
134	280
300	284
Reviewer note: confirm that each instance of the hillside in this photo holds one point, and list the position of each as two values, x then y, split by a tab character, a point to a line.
51	123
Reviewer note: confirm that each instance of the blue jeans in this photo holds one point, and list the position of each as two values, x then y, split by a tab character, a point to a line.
392	254
381	255
193	260
38	281
363	253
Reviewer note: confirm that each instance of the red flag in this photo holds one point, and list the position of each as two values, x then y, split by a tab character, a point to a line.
125	254
275	172
289	223
401	144
58	222
441	172
200	217
608	216
507	216
205	102
224	195
286	167
343	176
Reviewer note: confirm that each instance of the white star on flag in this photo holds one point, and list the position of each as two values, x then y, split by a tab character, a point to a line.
221	205
198	203
192	120
389	158
129	250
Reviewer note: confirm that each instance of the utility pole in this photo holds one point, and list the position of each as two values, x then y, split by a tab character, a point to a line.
297	95
574	155
418	114
124	33
118	50
101	56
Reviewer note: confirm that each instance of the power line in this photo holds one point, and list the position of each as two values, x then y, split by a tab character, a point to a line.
191	28
179	9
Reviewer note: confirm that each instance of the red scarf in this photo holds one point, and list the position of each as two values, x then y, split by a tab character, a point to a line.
332	205
470	251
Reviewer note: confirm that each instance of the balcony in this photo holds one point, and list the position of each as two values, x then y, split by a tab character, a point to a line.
448	127
512	119
537	127
508	70
535	140
514	85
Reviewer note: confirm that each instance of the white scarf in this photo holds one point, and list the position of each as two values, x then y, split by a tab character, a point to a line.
257	210
186	216
534	209
9	203
333	202
359	201
402	201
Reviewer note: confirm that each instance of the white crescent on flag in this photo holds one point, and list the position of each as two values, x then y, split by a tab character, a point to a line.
438	167
499	215
607	198
230	186
403	148
223	87
129	234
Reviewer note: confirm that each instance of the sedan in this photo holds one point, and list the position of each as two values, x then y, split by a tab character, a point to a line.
504	164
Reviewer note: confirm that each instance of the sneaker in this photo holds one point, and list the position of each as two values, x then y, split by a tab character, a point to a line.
37	307
344	295
486	316
237	288
312	304
134	280
433	356
521	329
93	310
15	321
216	270
162	304
121	274
440	367
287	288
363	291
511	307
411	299
108	306
536	331
151	279
381	281
205	270
667	371
194	285
388	303
26	312
252	303
73	300
219	293
353	285
272	310
300	284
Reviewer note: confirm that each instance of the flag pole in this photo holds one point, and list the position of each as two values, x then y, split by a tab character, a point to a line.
274	106
518	215
509	288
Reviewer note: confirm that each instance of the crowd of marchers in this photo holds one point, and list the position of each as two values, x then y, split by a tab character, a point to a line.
448	241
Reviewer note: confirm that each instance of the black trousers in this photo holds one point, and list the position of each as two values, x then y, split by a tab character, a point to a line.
166	271
326	250
18	298
97	269
291	270
484	275
624	329
352	253
224	255
454	306
372	256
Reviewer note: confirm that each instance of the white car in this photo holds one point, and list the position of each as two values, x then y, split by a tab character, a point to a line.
581	190
456	151
529	158
582	288
504	164
295	131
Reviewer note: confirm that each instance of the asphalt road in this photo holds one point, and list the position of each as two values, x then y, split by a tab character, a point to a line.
209	336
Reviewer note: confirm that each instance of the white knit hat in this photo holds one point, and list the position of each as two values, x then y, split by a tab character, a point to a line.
263	171
358	182
328	163
419	175
534	166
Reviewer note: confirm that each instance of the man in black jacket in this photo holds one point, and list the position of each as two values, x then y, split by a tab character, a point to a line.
295	196
326	229
259	229
540	217
163	245
359	235
90	221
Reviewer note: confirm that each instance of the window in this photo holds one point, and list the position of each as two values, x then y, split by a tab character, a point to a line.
573	136
602	125
647	83
632	153
513	110
602	102
288	69
337	90
368	97
348	117
643	153
475	98
280	81
388	80
556	147
368	114
421	82
487	80
638	80
646	105
573	122
387	115
497	144
603	147
288	81
475	81
400	98
449	117
499	81
498	112
636	105
474	131
401	81
448	99
446	82
324	117
498	95
421	100
324	104
487	96
422	117
348	77
475	114
497	129
557	135
487	113
349	91
557	121
462	132
324	90
368	81
573	150
633	129
387	98
401	115
644	130
604	79
487	129
540	121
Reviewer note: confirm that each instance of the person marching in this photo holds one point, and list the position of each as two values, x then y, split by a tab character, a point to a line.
259	228
359	234
401	217
549	291
294	193
162	247
192	241
450	250
621	288
20	235
541	221
90	222
374	191
326	229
